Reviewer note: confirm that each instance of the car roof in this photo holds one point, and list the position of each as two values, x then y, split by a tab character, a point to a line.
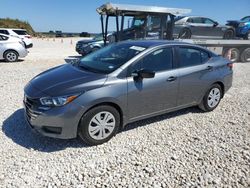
12	29
154	43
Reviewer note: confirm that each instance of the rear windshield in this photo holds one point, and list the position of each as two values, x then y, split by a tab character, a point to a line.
21	32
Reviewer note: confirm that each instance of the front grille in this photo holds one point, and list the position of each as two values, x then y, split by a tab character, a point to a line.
31	106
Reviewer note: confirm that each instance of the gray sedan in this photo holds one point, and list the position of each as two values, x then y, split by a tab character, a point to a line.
187	27
123	83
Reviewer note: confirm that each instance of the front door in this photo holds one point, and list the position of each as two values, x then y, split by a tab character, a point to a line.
149	96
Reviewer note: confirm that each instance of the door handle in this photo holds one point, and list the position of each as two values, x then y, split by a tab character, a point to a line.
171	78
209	68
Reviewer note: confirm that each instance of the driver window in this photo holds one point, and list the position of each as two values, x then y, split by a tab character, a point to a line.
157	61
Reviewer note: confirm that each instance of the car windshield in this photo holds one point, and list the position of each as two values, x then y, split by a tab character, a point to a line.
177	18
98	37
108	59
246	19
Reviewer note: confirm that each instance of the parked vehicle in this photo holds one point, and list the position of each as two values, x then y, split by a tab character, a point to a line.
59	34
85	47
11	48
241	26
122	83
187	27
21	33
84	34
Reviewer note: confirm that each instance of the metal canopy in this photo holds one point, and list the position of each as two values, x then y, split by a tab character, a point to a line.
119	9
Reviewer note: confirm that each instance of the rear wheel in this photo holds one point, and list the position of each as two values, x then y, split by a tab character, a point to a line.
245	55
99	125
212	98
229	34
10	56
185	34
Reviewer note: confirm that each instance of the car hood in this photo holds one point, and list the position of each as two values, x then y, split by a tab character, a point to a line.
63	80
234	23
85	41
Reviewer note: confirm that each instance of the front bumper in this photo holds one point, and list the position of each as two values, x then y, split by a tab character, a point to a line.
57	122
242	31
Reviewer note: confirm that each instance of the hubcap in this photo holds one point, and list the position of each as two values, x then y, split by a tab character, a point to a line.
101	125
213	97
11	56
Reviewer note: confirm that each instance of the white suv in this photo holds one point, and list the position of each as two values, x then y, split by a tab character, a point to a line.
20	33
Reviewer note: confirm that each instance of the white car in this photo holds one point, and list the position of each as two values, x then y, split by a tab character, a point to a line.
21	33
11	48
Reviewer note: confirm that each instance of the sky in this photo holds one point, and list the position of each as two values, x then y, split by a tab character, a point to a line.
81	15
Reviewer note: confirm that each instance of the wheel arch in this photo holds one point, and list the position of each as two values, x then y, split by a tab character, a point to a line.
221	84
112	104
10	50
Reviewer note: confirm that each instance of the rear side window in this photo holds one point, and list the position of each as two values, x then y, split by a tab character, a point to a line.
197	20
4	32
191	57
20	32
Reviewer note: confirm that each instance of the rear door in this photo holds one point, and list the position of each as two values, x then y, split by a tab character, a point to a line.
192	74
196	26
3	40
149	96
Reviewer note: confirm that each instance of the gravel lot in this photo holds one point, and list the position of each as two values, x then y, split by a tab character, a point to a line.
186	148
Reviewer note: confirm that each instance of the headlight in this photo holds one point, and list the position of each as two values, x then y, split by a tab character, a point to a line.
58	101
242	24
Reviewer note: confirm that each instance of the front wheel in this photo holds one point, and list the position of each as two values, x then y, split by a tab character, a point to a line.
212	98
99	125
229	34
11	56
247	36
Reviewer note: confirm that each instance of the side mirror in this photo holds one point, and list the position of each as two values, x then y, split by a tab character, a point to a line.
143	74
216	24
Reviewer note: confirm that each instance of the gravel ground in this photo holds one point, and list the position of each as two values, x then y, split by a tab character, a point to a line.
186	148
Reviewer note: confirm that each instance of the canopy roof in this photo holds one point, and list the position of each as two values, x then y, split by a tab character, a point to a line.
130	10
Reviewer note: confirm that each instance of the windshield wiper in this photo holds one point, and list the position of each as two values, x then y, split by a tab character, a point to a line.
89	69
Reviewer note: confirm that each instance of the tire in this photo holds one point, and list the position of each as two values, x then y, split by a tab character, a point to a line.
229	34
245	55
91	132
185	34
247	36
211	99
235	54
10	56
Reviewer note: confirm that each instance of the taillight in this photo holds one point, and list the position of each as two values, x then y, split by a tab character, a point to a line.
29	37
230	65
